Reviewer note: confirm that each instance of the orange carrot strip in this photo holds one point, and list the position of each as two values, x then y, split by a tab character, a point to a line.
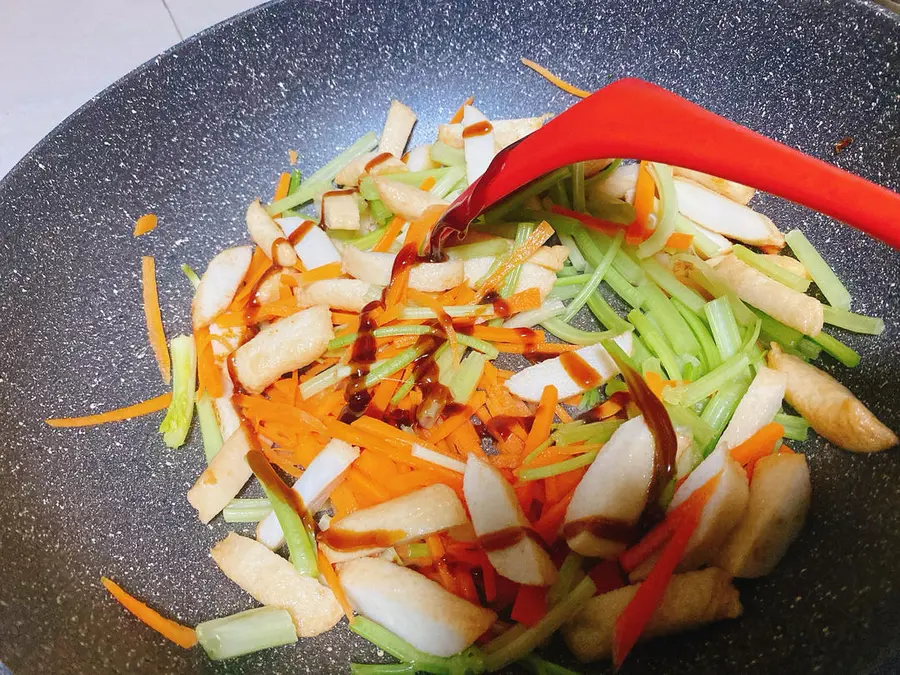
259	266
562	413
465	585
443	318
209	378
543	418
551	519
562	84
320	273
144	408
331	578
465	440
458	115
339	318
364	485
644	193
607	409
453	422
420	228
540	348
281	189
680	241
530	605
436	550
522	301
558	486
154	318
343	501
519	255
390	234
145	224
427	184
497	334
757	446
292	157
183	636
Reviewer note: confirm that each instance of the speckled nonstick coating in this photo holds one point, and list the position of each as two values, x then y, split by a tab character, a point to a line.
197	133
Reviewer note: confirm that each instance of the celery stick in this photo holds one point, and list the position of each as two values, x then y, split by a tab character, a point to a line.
209	427
543	629
294	185
246	510
657	343
573	280
665	225
671	285
384	331
558	194
532	317
479	249
445	184
707	343
570	573
721	407
605	314
596	277
623	263
688	394
723	327
383	369
837	349
808	349
563	225
774	330
414	178
611	209
191	275
615	385
323	176
177	422
573	335
701	432
453	311
246	632
517	199
652	365
563	293
594	432
770	269
327	378
564	466
444	154
382	668
857	323
795	427
575	257
512	278
603	174
404	389
464	381
380	212
639	351
623	289
578	187
674	327
819	270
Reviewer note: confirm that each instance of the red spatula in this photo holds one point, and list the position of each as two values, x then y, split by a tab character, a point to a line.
631	118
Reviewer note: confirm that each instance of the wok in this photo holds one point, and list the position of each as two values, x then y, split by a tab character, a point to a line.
197	133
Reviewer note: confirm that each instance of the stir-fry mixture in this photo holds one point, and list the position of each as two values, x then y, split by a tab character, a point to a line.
452	463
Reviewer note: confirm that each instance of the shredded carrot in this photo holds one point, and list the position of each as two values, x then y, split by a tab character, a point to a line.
183	636
530	605
343	501
644	193
456	420
458	115
465	440
331	578
339	318
497	334
539	348
292	157
420	228
145	224
144	408
465	585
562	413
522	301
756	447
209	379
427	184
562	84
543	419
154	318
365	486
320	273
528	248
436	550
551	518
680	241
390	235
558	486
284	184
444	319
259	266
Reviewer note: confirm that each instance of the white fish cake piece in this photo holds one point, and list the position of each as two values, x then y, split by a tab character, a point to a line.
219	284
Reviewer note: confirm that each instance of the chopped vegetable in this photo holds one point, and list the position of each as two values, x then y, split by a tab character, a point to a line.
818	269
153	317
144	408
182	636
145	224
177	422
562	84
246	632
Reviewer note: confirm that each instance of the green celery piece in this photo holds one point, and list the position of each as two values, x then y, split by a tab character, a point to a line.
640	352
404	389
652	365
578	187
562	225
323	177
776	331
623	263
414	178
177	422
573	279
191	275
665	226
246	510
795	427
608	208
209	427
294	185
512	278
384	331
567	270
367	189
825	278
246	632
723	326
807	349
837	349
380	212
701	432
613	386
444	185
559	195
384	369
382	668
446	155
564	466
689	394
593	432
510	204
453	311
710	351
463	384
606	315
657	344
327	378
367	241
671	285
530	639
573	335
539	666
597	275
771	269
589	399
575	257
673	325
488	247
618	353
534	454
570	573
417	550
717	413
470	661
858	323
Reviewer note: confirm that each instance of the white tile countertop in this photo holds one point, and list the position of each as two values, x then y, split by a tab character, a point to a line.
56	54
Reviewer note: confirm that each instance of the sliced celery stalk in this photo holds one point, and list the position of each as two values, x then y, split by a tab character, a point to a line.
444	154
559	195
701	243
689	394
795	427
819	270
657	344
665	225
570	573
209	427
177	422
837	349
723	326
575	336
557	468
463	384
380	212
575	257
721	407
606	315
857	323
707	343
321	179
578	187
593	432
382	668
623	263
603	206
596	278
671	285
191	275
512	278
516	200
246	510
479	249
673	325
445	184
246	632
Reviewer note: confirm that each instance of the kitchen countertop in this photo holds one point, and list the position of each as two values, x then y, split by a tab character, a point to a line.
57	54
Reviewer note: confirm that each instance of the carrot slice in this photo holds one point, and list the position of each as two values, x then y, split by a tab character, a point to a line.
456	420
522	301
183	636
540	348
543	418
427	184
528	248
530	605
145	224
498	334
320	273
281	189
420	228
154	318
390	235
562	413
644	193
552	518
756	447
458	115
559	82
331	578
144	408
259	266
680	241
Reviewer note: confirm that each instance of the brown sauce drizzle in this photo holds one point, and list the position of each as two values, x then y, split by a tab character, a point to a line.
426	373
347	540
611	529
362	356
273	252
501	307
579	370
501	427
271	480
477	129
298	234
376	160
406	258
508	536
